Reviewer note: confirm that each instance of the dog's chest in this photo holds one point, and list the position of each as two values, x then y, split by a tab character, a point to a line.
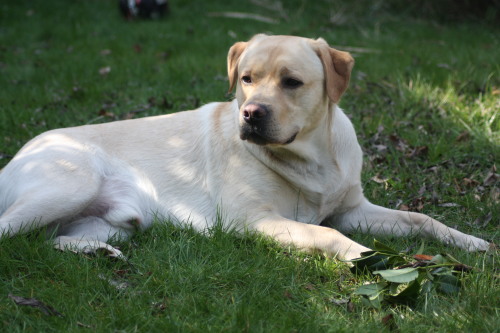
318	197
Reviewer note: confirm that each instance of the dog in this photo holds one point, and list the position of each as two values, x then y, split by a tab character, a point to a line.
280	159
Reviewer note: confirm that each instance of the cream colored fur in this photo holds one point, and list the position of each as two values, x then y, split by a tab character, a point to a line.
293	166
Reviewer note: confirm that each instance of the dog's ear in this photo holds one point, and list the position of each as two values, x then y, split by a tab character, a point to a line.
232	62
337	66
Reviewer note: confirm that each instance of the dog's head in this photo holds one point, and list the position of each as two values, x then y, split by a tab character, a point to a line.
285	85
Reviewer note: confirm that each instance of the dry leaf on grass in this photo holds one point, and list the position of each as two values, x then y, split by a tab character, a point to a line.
389	322
491	177
33	302
105	70
119	285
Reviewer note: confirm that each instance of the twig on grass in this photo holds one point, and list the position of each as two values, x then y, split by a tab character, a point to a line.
355	49
245	16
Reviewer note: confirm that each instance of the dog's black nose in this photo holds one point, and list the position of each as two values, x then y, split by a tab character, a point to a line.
254	113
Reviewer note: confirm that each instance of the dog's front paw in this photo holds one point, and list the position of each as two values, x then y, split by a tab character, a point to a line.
474	244
354	252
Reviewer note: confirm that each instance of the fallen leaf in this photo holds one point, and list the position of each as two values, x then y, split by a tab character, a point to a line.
422	190
464	136
287	294
121	272
350	306
159	307
310	287
483	221
376	136
418	151
105	113
119	285
380	148
449	204
495	195
340	301
128	115
105	52
389	322
404	207
47	309
417	204
83	325
470	182
105	70
379	180
423	257
491	178
398	142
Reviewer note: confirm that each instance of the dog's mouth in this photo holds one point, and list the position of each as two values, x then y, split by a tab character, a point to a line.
255	136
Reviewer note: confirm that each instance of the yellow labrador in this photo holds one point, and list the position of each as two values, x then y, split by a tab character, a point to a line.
281	159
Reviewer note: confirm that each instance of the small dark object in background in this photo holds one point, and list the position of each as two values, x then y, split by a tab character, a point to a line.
143	8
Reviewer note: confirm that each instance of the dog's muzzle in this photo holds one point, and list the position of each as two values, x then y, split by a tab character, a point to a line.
255	115
257	126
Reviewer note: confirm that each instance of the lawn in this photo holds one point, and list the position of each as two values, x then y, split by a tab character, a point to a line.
424	99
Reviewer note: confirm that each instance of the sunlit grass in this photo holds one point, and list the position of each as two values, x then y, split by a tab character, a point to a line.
476	112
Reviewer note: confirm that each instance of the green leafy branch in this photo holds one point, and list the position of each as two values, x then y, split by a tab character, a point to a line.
401	278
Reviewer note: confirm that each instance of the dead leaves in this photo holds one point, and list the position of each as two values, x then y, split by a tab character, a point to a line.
492	177
108	109
33	302
117	284
399	144
390	323
485	190
382	156
380	145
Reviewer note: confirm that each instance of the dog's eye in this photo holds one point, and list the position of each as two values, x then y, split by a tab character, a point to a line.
291	83
246	79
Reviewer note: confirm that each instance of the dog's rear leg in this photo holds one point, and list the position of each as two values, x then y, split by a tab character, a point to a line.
48	202
378	220
89	235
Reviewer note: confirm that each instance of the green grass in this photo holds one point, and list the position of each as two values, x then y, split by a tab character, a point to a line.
419	85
